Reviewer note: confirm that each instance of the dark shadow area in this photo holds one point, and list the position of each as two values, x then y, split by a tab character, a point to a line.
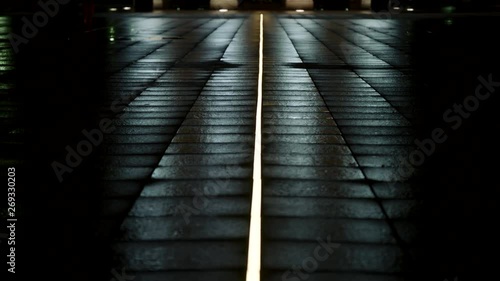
442	6
59	81
331	5
461	192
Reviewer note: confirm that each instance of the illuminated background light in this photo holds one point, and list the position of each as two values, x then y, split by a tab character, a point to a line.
299	4
224	4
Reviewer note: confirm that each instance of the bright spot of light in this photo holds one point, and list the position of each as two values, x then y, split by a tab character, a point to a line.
410	9
113	9
448	9
127	8
396	8
299	10
223	10
111	39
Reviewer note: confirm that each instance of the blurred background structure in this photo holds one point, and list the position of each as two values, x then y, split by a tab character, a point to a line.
376	5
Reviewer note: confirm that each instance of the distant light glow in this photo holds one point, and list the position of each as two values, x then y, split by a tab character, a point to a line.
113	9
299	10
449	9
223	10
347	9
127	8
111	39
396	8
410	9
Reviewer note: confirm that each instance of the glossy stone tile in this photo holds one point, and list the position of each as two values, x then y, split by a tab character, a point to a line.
340	230
398	150
305	130
194	187
312	173
157	206
375	131
206	160
229	129
321	207
361	109
317	188
163	256
380	140
307	148
177	229
227	114
302	139
325	160
375	123
365	258
193	148
213	138
202	172
218	122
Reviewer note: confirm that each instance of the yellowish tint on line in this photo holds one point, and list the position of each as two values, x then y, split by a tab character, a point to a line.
254	241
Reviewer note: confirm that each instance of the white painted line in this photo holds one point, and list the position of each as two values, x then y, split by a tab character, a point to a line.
254	241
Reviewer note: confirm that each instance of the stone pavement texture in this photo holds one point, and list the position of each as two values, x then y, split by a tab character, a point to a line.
166	194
